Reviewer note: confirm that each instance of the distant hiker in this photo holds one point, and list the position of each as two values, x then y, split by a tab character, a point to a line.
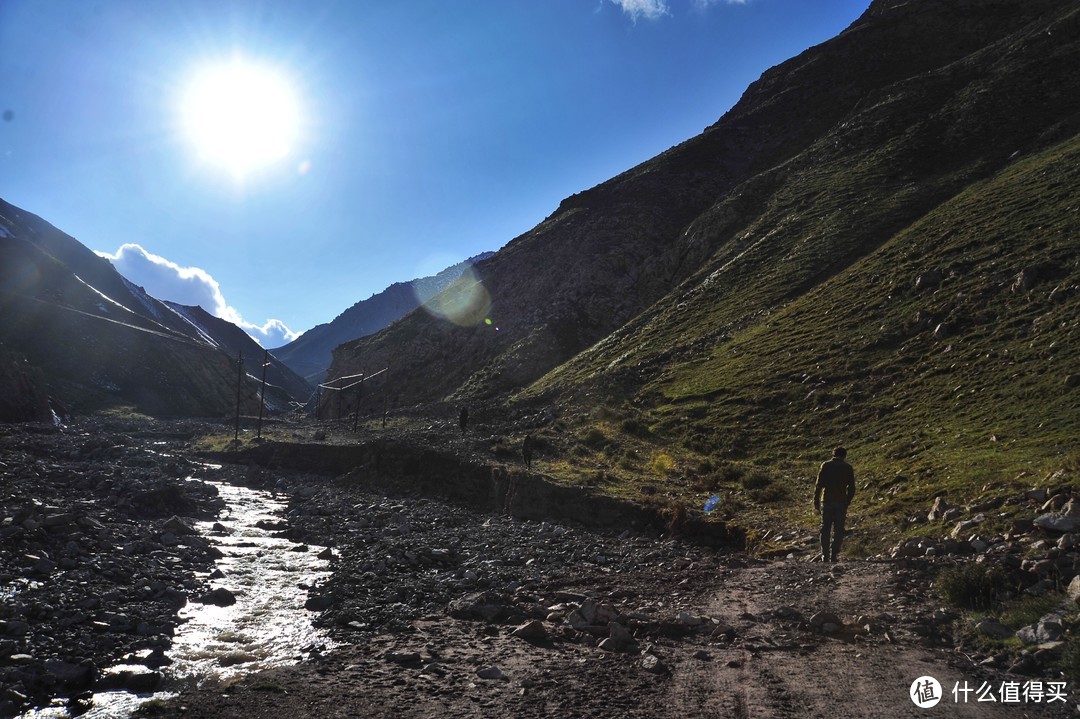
527	450
463	419
832	495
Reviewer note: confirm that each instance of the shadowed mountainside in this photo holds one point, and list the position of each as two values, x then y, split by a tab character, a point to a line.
94	340
234	341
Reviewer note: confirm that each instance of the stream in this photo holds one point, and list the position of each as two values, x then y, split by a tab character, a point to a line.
266	627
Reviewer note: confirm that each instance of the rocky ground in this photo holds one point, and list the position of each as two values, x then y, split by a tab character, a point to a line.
434	608
95	562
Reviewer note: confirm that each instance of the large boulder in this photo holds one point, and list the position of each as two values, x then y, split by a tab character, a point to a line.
1057	523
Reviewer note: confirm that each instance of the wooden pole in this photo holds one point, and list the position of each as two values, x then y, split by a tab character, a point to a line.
262	393
356	412
239	385
339	393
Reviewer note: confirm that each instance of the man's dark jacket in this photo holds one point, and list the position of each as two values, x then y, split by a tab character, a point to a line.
836	481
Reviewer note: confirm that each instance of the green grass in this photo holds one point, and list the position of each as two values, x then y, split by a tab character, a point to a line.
970	586
268	686
767	366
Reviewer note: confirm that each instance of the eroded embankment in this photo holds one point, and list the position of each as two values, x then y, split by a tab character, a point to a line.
398	466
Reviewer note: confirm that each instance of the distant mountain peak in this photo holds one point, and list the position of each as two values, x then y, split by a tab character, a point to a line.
310	354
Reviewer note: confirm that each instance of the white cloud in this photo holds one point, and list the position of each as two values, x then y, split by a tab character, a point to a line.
271	335
654	9
649	9
191	286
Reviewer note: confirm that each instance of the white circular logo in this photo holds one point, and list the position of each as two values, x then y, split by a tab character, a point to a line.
925	692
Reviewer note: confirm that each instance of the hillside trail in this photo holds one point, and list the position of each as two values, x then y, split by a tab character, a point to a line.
777	669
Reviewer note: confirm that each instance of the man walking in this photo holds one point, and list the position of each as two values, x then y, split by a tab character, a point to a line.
832	495
527	451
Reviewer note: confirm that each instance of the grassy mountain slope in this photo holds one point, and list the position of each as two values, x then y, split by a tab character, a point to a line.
945	360
878	246
823	158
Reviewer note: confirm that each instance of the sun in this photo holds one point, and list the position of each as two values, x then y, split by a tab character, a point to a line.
240	116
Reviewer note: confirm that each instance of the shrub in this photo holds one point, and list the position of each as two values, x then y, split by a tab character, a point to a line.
593	438
661	464
769	494
1069	664
635	428
970	586
756	479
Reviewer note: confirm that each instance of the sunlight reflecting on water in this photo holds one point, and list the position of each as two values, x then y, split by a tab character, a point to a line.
266	627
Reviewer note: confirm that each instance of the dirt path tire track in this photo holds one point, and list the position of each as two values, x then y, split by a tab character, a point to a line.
775	670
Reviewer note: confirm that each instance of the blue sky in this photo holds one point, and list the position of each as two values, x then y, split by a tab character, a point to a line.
427	131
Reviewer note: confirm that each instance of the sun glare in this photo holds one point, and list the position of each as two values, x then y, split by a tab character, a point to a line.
240	116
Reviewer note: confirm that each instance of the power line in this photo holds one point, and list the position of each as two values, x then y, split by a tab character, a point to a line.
329	386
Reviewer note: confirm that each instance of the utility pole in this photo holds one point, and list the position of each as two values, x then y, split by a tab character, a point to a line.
359	395
262	392
340	392
239	385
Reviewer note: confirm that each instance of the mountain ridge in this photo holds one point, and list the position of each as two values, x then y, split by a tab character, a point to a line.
653	226
309	355
897	274
93	340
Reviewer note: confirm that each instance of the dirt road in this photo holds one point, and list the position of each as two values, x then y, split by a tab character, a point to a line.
757	653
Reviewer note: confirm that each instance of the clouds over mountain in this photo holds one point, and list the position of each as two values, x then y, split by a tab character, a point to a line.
193	286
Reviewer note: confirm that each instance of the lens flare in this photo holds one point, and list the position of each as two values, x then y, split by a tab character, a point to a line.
466	302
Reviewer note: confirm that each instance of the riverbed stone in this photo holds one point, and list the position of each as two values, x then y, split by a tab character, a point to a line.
319	603
220	597
74	675
653	664
177	526
531	631
493	673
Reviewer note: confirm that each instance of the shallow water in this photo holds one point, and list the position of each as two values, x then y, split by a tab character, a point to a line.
268	626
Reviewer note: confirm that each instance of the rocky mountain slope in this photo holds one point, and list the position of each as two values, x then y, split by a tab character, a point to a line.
877	244
74	328
234	341
309	355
